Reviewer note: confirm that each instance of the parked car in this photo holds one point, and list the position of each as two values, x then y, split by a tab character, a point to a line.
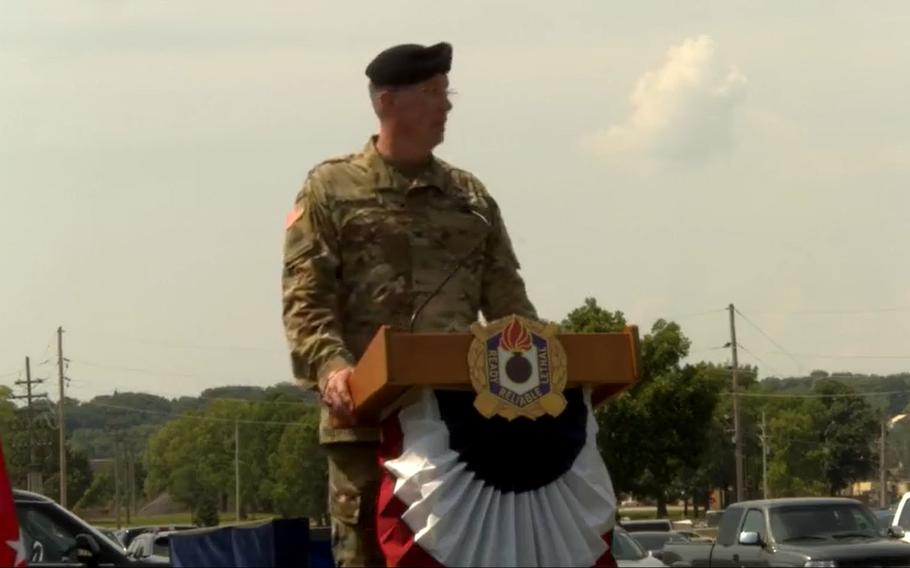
885	517
654	541
53	536
901	516
111	534
712	518
628	552
694	536
647	525
151	545
795	532
126	535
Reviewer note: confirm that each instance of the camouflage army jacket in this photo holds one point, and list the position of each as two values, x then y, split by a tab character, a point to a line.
365	245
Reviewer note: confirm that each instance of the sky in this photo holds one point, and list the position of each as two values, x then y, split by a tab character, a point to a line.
668	159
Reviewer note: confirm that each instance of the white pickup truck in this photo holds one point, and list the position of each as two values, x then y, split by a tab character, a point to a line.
902	516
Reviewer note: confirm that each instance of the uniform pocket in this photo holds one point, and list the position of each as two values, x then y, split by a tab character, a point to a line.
353	481
375	253
458	232
344	506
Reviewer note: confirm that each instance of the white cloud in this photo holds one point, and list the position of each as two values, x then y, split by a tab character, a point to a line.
681	111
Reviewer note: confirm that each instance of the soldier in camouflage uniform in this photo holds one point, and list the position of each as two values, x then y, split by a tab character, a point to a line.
372	234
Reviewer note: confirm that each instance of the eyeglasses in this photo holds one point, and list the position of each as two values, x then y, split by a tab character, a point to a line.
433	92
439	93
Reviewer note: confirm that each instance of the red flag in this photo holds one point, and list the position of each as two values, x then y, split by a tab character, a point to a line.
12	550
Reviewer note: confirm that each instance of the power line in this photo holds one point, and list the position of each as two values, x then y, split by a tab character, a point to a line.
838	311
154	372
813	395
48	349
176	345
821	356
737	427
202	418
760	361
694	314
707	349
771	339
82	384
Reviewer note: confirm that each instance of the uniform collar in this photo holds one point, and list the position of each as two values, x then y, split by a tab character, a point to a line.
386	176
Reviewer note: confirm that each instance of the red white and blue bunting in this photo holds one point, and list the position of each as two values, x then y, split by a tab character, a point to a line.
459	489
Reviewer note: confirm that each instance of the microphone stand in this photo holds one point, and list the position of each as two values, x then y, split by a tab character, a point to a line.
454	271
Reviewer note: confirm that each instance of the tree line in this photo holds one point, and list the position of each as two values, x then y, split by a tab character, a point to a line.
667	438
670	437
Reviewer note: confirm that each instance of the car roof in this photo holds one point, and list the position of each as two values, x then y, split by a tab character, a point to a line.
27	496
797	501
161	526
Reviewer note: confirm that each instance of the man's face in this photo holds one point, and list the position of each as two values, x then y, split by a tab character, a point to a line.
420	111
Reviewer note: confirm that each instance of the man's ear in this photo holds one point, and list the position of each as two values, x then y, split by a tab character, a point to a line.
383	102
386	100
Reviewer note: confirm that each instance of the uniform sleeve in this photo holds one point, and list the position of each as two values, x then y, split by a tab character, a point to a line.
504	291
310	289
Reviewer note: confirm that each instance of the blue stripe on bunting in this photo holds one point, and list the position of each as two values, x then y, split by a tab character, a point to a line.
518	455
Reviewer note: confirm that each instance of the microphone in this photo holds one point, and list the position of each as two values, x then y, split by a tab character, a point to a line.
467	209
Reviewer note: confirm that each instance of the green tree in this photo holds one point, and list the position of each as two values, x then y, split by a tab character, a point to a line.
205	513
281	466
191	459
715	464
591	318
234	392
45	443
651	438
796	461
899	398
299	471
653	433
847	427
663	349
119	411
100	492
277	417
7	410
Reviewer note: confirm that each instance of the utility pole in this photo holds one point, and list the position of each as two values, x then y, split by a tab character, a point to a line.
738	438
33	482
60	423
129	480
237	468
117	480
131	487
28	417
881	466
764	457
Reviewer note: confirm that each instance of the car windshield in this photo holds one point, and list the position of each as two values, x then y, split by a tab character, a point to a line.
44	537
884	517
656	541
625	547
633	526
816	522
161	547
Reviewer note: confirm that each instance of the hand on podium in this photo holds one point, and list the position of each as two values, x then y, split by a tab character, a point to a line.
337	397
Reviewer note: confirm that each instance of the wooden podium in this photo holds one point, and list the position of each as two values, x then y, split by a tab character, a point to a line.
396	361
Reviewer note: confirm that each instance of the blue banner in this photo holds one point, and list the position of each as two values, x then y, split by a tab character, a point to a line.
274	543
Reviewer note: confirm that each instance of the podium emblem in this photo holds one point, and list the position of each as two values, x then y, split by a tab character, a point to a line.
517	368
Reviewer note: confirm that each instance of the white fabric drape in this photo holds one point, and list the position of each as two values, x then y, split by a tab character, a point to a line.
461	521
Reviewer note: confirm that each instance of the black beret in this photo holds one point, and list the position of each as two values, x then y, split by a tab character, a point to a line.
409	63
